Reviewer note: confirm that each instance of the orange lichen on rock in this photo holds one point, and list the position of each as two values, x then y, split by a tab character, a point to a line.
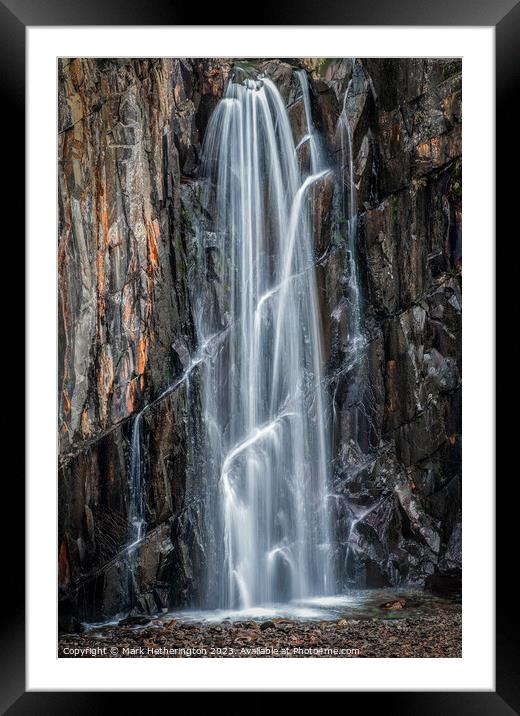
85	424
152	236
105	380
63	566
423	150
66	402
448	104
75	70
127	309
142	357
441	149
213	80
130	396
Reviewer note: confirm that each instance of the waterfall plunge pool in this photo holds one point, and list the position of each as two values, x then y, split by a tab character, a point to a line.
356	604
350	624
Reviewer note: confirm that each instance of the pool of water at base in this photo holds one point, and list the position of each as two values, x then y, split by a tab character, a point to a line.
356	604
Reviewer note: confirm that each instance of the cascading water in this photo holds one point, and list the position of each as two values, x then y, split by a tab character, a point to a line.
348	209
312	136
265	408
355	366
137	473
137	519
137	501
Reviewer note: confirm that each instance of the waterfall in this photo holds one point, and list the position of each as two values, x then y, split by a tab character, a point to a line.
136	506
137	520
265	409
348	208
137	474
312	136
355	368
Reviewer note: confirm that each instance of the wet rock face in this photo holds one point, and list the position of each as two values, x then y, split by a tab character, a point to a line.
119	302
97	571
397	411
130	133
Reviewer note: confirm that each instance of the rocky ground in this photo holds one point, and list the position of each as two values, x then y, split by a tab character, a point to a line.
435	635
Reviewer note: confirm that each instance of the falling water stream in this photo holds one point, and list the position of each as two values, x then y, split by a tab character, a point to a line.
261	470
264	406
137	471
264	476
348	209
136	520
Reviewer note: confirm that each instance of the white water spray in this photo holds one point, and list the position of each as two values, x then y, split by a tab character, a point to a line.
264	406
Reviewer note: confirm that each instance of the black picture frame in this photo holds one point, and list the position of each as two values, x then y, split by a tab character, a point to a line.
15	16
